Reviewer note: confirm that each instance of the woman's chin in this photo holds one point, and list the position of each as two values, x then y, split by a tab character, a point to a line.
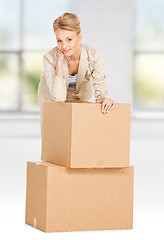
68	55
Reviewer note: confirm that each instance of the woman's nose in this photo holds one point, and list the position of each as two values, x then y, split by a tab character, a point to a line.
64	45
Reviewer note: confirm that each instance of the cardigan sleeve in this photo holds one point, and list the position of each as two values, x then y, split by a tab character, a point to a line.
99	78
56	84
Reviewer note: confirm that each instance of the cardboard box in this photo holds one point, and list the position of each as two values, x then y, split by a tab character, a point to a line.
60	199
79	135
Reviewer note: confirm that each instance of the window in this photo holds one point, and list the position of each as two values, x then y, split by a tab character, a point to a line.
148	87
26	34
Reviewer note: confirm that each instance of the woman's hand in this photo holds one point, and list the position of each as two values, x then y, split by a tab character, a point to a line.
107	104
59	63
60	57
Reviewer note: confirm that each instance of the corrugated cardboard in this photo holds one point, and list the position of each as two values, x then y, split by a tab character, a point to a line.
60	199
79	135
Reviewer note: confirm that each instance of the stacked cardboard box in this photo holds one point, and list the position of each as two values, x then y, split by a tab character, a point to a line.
84	180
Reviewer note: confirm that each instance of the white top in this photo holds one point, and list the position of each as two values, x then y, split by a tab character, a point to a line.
72	83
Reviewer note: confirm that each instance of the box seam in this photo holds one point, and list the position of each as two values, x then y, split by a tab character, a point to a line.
42	121
47	168
70	157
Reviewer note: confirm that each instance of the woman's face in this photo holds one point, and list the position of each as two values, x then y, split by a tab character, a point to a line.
67	41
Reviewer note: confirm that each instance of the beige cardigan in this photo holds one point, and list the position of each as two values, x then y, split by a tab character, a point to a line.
90	76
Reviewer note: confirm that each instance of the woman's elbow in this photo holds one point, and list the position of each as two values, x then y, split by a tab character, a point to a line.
58	97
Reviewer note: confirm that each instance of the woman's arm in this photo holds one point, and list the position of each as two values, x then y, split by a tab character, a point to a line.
58	70
55	81
100	84
99	78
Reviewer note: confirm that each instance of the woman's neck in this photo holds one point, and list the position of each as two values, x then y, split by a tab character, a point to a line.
76	55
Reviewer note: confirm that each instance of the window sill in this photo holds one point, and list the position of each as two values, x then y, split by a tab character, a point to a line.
19	116
158	115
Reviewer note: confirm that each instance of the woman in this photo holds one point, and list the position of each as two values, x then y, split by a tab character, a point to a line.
72	70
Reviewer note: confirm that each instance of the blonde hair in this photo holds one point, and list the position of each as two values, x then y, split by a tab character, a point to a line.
68	21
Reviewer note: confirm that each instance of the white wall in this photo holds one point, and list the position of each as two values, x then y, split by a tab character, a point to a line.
108	27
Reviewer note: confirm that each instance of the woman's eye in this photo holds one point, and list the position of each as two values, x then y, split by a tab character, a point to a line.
68	39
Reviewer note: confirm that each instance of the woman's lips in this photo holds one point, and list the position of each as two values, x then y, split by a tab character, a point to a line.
66	50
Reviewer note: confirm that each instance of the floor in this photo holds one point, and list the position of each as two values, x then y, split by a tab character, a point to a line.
147	156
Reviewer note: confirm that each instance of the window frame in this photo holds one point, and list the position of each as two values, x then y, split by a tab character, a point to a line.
136	114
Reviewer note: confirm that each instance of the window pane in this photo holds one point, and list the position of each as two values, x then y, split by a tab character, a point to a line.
9	82
39	22
149	81
33	67
9	24
149	25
